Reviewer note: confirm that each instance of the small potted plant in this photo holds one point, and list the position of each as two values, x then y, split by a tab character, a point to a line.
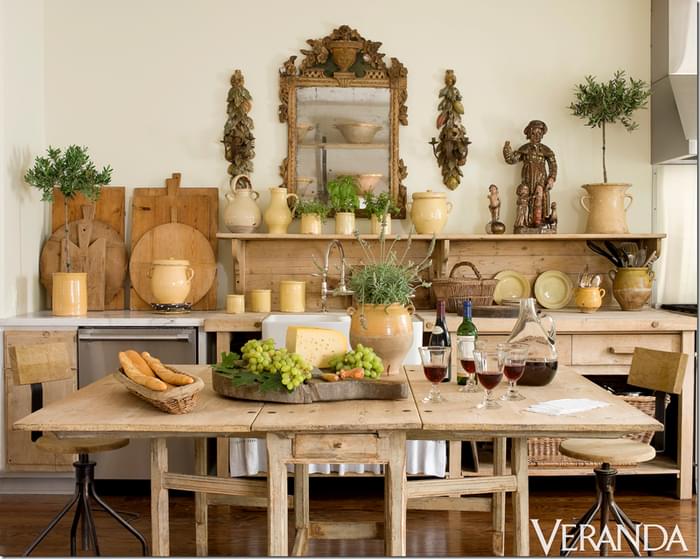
343	199
72	172
380	208
312	213
600	104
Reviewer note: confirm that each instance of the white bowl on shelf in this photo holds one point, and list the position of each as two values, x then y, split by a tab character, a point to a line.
366	182
303	184
303	128
358	132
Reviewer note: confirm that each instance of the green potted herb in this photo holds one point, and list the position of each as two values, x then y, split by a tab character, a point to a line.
343	199
72	172
601	104
380	208
312	213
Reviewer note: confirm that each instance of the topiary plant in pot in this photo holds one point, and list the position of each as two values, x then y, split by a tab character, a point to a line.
602	104
72	172
344	200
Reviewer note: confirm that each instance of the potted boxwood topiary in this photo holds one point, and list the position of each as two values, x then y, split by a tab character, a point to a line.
343	199
380	208
601	104
312	213
72	172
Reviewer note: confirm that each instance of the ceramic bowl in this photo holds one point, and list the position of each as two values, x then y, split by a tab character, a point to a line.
304	185
367	181
358	132
303	128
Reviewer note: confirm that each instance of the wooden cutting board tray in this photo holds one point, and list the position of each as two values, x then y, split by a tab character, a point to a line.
315	390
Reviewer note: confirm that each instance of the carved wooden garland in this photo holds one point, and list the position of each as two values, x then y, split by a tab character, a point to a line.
239	142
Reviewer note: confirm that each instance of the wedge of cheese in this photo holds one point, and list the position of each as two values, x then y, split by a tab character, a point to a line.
316	345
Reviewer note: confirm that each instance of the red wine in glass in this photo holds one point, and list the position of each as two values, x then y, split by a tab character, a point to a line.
468	365
435	373
514	371
489	379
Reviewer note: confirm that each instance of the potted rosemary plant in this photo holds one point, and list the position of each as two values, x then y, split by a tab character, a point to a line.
601	104
72	172
380	208
312	213
343	199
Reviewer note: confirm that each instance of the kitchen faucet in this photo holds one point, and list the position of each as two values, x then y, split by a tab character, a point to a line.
341	290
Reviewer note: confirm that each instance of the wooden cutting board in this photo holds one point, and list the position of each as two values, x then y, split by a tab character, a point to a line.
94	247
109	209
178	241
197	207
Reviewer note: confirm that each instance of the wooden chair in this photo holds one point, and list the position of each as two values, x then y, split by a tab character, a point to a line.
37	366
661	371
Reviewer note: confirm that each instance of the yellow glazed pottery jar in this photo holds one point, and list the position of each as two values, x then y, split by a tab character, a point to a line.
605	204
278	216
429	212
311	224
376	223
241	214
292	296
632	287
69	293
235	303
344	223
260	300
588	299
171	281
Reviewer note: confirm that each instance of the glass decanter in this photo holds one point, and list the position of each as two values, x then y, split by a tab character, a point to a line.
541	363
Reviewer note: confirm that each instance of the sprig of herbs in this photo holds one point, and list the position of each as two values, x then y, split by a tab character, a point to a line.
311	207
342	193
380	204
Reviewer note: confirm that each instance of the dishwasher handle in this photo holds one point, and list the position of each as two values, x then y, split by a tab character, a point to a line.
131	337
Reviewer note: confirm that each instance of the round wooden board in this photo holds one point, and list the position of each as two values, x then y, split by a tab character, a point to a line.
178	241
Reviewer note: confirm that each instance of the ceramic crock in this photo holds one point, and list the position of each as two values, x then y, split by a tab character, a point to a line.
241	214
388	329
605	204
429	212
311	224
632	287
278	216
344	223
171	280
376	223
292	296
235	303
69	293
260	300
588	299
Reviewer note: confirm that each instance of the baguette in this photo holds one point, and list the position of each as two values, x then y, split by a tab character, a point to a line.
140	364
131	371
164	373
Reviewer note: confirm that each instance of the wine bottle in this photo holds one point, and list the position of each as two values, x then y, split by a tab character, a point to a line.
439	336
467	334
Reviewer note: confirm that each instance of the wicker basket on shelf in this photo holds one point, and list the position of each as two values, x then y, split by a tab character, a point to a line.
457	290
175	400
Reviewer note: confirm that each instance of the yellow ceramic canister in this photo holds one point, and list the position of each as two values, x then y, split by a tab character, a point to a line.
632	287
292	296
69	293
260	300
171	280
235	304
429	212
589	299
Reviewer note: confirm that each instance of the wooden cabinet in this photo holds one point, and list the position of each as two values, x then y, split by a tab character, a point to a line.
29	354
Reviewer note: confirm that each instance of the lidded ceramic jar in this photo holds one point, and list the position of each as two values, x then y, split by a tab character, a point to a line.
429	212
278	216
242	214
171	280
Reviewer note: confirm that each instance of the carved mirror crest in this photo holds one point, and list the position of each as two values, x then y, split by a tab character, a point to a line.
343	106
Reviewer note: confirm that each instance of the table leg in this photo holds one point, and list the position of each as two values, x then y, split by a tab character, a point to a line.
278	449
521	513
498	503
201	508
301	508
395	497
160	529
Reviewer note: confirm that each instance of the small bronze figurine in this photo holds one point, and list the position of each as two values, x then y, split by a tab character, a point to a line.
535	211
495	226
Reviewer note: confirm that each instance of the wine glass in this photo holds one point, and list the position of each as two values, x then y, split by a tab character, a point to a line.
514	367
489	371
435	360
465	349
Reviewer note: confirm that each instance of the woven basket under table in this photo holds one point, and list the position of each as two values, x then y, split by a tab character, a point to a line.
457	290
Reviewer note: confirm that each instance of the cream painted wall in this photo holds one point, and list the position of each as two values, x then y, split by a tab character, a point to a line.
144	85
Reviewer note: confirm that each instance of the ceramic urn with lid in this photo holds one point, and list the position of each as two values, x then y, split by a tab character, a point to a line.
171	281
429	211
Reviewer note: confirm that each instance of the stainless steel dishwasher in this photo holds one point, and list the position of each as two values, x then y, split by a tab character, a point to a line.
98	350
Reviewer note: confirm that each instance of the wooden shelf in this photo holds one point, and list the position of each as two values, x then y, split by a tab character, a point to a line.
494	238
328	145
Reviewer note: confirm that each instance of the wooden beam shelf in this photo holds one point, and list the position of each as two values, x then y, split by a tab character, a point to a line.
491	238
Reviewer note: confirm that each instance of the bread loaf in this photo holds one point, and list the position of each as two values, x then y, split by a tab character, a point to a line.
164	373
131	371
139	363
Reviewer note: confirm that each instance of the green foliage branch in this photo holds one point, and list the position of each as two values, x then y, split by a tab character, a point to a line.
313	206
342	194
380	205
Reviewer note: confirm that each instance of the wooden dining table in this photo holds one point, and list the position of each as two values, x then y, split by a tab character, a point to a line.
360	431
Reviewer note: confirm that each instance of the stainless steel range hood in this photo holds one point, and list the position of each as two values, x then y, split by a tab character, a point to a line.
674	81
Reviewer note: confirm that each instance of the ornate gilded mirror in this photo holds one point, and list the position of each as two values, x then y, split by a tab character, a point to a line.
343	107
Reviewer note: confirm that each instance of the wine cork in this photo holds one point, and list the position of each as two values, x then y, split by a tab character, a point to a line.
292	296
260	300
235	304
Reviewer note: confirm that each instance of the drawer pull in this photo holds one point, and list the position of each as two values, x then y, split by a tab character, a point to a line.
621	350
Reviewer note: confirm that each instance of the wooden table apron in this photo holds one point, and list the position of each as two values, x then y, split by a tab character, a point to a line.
355	431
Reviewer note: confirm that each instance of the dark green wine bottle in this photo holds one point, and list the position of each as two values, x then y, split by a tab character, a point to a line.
467	334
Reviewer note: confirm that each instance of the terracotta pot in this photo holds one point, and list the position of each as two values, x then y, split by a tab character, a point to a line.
632	287
344	223
278	216
376	223
589	299
69	293
241	214
171	280
311	224
429	212
386	329
605	204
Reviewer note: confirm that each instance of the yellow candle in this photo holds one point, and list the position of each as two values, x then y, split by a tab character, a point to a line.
260	300
292	296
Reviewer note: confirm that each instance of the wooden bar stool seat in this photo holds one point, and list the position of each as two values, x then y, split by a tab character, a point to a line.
49	442
614	451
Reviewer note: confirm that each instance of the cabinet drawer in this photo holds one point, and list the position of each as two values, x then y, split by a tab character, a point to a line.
617	349
563	345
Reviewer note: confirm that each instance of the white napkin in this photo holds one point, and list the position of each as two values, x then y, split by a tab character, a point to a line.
566	406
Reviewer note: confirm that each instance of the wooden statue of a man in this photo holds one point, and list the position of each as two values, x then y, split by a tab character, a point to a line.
537	179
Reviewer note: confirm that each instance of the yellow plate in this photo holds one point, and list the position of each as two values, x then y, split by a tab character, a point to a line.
553	289
510	287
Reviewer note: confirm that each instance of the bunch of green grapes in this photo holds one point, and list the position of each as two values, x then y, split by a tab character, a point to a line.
262	356
361	357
